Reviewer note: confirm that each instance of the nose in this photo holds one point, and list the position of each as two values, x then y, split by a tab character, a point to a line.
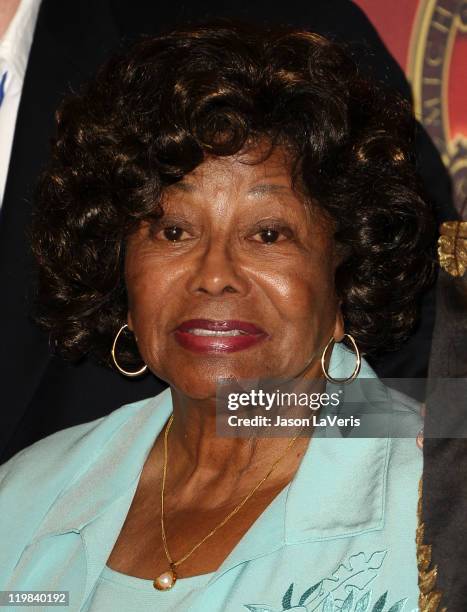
217	271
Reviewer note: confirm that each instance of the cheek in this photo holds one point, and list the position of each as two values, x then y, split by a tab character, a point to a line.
307	310
142	296
151	280
147	290
303	295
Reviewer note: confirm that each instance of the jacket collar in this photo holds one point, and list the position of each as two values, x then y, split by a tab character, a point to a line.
338	473
115	471
97	502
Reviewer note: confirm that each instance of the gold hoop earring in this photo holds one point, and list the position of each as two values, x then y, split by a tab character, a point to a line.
119	368
357	364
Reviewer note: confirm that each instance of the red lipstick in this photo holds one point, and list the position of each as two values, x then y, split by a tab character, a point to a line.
209	336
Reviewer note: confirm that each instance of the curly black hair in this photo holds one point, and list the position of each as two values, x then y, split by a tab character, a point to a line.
155	113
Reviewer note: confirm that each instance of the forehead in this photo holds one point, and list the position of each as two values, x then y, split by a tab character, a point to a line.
259	170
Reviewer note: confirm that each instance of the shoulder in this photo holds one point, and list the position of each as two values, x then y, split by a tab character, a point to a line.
54	459
406	424
58	476
405	403
405	460
394	418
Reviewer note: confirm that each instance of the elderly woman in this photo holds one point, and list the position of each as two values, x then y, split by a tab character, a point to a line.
224	204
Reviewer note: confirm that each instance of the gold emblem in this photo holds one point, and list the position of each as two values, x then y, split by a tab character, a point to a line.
452	247
437	25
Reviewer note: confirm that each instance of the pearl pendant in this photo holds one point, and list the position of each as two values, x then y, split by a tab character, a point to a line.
165	581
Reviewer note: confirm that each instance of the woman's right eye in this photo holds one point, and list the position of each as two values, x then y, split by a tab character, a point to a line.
173	234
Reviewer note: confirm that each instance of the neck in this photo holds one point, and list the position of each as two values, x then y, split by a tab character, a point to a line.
8	10
202	463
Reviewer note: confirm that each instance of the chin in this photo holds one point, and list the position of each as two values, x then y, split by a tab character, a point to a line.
201	381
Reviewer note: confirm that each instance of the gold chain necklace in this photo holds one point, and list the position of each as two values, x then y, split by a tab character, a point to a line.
167	579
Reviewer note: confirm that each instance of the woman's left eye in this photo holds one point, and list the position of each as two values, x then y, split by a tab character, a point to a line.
271	235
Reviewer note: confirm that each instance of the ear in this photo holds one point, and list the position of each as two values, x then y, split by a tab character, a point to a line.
339	329
129	321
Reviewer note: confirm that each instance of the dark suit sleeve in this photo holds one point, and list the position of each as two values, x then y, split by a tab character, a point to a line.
40	394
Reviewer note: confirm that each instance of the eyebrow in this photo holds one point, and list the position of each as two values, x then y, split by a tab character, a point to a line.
256	190
183	186
266	188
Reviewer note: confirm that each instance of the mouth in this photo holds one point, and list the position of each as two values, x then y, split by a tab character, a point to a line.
210	336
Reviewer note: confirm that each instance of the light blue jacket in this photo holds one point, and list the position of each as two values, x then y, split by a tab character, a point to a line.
340	537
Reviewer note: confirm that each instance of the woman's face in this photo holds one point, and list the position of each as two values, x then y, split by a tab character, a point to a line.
235	281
